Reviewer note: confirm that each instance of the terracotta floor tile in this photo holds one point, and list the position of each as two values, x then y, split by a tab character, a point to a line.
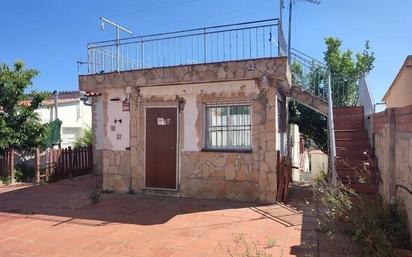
123	234
215	254
114	255
55	252
63	223
36	234
98	231
158	252
220	234
224	247
107	246
12	221
9	254
13	244
202	244
79	242
276	251
85	253
187	232
191	253
133	248
173	242
13	231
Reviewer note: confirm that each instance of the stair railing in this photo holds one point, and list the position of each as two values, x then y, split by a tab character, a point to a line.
366	100
365	96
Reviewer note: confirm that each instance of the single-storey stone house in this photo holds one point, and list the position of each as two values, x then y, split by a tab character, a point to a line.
201	130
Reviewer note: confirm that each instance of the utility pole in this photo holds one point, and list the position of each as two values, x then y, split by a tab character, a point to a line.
331	129
289	30
118	28
56	99
280	12
291	3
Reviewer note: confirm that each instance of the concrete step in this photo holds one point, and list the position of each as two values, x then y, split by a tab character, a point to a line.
355	125
364	144
366	188
352	176
347	110
348	118
160	192
352	152
351	135
348	163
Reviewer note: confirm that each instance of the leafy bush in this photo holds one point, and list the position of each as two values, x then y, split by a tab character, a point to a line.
86	139
379	228
336	201
395	223
6	180
18	175
23	172
94	197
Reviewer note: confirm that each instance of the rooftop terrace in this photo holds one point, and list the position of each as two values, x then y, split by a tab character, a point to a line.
240	41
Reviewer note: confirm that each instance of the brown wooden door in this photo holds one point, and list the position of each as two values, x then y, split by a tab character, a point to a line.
161	144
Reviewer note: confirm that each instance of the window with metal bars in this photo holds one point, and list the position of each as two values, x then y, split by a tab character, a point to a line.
228	127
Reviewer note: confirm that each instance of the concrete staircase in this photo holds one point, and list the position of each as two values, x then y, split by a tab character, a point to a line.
309	99
355	162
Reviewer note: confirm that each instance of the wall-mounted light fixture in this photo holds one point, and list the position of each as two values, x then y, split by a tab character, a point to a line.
181	102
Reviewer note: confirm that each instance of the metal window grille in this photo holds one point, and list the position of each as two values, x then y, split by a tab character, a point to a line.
228	127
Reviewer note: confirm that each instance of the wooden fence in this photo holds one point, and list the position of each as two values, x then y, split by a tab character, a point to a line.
7	163
57	164
284	175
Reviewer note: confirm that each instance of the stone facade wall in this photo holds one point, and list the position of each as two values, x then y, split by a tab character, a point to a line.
219	175
97	128
273	68
393	148
247	176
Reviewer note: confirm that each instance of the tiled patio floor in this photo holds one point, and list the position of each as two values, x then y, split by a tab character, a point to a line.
58	220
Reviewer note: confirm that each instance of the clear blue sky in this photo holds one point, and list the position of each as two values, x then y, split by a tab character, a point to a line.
51	35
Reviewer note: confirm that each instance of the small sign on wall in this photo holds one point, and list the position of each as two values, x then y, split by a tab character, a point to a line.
126	105
163	121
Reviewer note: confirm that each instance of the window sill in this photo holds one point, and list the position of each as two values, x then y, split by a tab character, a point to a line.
227	150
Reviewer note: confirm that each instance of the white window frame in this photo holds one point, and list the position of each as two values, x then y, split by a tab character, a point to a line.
228	148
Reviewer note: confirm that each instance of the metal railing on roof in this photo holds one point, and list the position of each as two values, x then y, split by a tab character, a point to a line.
240	41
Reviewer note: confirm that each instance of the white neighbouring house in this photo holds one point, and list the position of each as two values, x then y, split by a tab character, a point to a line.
74	114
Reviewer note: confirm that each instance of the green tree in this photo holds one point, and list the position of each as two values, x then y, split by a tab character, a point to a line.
345	71
20	125
86	139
